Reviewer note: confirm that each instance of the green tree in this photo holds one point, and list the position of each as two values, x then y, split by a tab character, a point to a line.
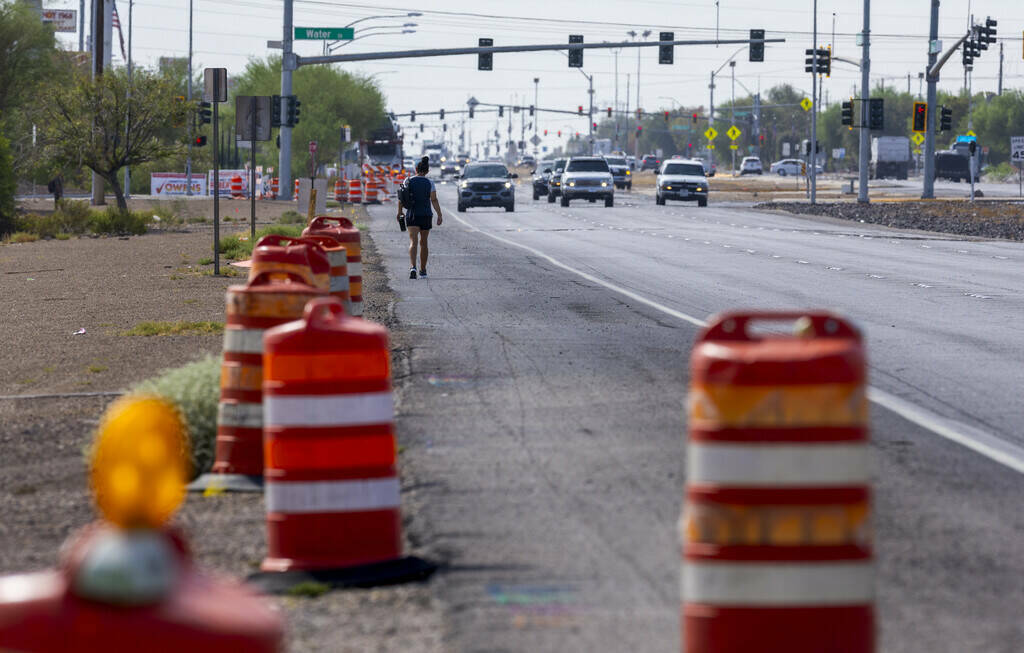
331	99
110	122
7	188
995	120
28	55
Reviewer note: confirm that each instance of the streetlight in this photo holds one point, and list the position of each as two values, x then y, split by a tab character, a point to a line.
404	31
674	101
711	110
411	14
633	35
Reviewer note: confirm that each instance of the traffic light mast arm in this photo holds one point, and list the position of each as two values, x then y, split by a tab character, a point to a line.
933	72
447	52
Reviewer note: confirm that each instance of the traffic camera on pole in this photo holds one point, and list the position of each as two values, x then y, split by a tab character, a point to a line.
485	60
575	54
847	113
757	47
876	113
945	119
666	53
205	113
920	117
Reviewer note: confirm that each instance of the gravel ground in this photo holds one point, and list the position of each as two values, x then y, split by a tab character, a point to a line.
983	219
107	285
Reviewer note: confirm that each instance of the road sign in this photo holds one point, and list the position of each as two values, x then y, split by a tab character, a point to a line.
806	104
970	132
711	146
215	85
348	133
918	138
734	146
733	133
711	133
1017	149
312	147
917	150
535	140
252	117
324	33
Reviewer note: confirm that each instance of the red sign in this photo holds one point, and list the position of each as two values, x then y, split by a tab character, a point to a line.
312	147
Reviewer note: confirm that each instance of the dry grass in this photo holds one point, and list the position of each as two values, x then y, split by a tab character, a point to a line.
174	329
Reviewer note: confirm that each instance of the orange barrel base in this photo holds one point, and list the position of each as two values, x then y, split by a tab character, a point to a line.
302	537
338	258
835	629
346	234
306	258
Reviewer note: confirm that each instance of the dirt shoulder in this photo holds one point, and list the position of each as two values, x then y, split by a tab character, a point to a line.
981	219
107	286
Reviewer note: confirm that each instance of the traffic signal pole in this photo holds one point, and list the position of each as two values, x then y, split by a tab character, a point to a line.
288	64
864	151
814	109
928	191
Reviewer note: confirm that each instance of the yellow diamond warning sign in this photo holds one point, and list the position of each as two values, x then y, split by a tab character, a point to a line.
806	104
733	133
711	133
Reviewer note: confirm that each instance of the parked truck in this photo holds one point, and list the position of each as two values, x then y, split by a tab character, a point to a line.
890	157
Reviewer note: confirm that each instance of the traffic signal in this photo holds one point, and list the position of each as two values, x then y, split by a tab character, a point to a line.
609	112
575	54
847	112
594	125
694	120
440	114
545	132
666	117
275	110
204	113
485	60
412	116
828	61
639	114
666	53
823	65
292	111
559	133
200	141
471	112
444	127
581	109
988	31
920	116
757	48
876	113
639	129
421	127
501	111
531	110
945	119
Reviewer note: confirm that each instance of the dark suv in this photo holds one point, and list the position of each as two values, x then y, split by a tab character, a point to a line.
486	184
620	171
541	177
650	162
555	180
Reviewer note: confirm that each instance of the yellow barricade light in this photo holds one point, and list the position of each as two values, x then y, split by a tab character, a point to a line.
139	466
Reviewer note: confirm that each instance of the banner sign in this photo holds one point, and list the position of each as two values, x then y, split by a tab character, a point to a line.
62	20
169	184
225	181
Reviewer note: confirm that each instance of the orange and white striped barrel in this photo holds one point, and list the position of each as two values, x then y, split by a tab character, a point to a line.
775	530
355	191
338	258
274	187
331	480
370	191
306	258
346	234
337	191
296	196
269	299
237	187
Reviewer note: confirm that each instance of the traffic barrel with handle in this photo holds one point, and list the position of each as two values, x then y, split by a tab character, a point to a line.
338	258
346	234
237	189
775	530
274	187
285	253
337	190
332	488
269	299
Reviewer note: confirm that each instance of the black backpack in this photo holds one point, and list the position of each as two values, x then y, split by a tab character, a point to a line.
405	195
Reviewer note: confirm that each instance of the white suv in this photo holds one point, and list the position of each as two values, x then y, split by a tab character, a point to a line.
751	165
588	177
681	179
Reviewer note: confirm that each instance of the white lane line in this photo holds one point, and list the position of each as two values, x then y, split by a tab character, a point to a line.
986	444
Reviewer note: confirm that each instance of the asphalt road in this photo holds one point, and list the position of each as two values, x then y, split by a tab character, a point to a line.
541	396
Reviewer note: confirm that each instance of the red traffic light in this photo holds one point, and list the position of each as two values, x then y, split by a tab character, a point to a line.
639	128
609	112
545	132
594	124
200	141
559	133
581	109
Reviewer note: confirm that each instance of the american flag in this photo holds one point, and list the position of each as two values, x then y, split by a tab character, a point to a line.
116	22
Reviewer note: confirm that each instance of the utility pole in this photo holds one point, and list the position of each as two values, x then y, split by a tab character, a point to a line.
616	140
192	122
98	28
127	129
732	108
1000	91
287	66
711	116
536	113
590	120
814	108
928	192
864	151
81	25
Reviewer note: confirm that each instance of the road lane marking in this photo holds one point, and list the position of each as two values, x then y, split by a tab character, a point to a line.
986	444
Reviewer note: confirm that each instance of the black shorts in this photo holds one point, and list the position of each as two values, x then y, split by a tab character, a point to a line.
423	221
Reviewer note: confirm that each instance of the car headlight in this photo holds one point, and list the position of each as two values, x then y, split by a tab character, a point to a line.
465	184
627	173
604	184
572	183
668	188
508	184
699	188
443	159
458	168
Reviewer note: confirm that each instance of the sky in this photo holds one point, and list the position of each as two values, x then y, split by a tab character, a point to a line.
227	33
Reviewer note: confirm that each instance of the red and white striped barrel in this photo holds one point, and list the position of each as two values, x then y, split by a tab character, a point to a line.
338	197
296	197
370	190
775	529
274	187
269	299
355	191
237	189
348	235
338	258
331	481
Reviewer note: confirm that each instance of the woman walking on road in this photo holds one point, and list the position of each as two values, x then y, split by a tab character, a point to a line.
423	194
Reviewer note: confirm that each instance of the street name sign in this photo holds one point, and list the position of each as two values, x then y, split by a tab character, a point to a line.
324	33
